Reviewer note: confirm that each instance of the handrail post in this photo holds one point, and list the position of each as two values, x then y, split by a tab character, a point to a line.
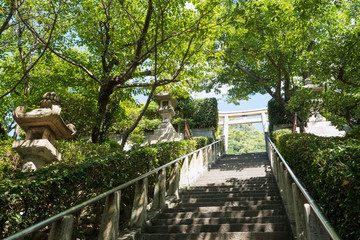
282	183
184	174
299	213
199	162
290	198
139	214
62	229
174	181
110	220
314	228
159	191
192	168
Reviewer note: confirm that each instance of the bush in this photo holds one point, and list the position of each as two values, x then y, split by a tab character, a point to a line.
276	114
206	113
277	133
201	141
86	170
330	170
354	134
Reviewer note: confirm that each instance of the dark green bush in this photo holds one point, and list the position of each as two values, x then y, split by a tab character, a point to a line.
86	170
354	134
277	133
330	170
276	114
206	113
201	141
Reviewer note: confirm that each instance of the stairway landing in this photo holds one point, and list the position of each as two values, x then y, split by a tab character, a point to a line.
237	198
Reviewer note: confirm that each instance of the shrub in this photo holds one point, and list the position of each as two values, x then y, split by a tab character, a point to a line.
277	133
276	114
201	141
206	113
354	134
86	170
330	170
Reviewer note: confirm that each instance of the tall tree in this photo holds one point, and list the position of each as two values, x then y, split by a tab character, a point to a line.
134	45
337	67
20	51
266	48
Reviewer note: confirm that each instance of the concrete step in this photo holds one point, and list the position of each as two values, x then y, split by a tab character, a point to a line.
233	200
225	196
214	208
220	228
221	214
282	235
238	194
238	198
188	221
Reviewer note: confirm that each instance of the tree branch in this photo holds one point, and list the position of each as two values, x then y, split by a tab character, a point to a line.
7	20
35	62
62	56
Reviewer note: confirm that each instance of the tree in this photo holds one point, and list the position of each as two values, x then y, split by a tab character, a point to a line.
134	45
245	138
20	51
338	69
267	48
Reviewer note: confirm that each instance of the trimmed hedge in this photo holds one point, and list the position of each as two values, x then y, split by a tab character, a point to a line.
27	198
278	133
276	114
330	170
206	113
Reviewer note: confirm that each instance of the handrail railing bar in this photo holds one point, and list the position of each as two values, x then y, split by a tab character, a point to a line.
311	201
76	208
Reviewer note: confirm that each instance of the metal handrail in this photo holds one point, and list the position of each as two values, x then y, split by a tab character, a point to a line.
332	232
76	208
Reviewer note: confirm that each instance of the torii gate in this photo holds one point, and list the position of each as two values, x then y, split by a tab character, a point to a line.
226	116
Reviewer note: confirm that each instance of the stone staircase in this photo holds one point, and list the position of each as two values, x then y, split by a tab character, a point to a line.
237	198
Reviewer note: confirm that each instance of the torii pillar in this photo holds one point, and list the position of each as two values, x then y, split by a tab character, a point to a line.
226	132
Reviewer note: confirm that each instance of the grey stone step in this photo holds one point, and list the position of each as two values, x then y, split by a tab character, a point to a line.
214	208
222	214
220	228
238	194
238	198
225	196
188	221
233	200
285	235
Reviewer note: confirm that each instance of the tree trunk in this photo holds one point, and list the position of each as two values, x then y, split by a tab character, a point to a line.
2	132
103	102
130	130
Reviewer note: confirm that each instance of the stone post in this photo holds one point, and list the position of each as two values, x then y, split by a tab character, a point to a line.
159	191
314	228
184	174
139	214
289	196
299	212
174	181
109	229
62	229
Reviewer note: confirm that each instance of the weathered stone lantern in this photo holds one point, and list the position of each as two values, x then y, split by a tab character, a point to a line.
166	107
42	126
165	132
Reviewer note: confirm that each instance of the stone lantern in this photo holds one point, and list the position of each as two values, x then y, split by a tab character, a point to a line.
166	107
42	126
165	132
